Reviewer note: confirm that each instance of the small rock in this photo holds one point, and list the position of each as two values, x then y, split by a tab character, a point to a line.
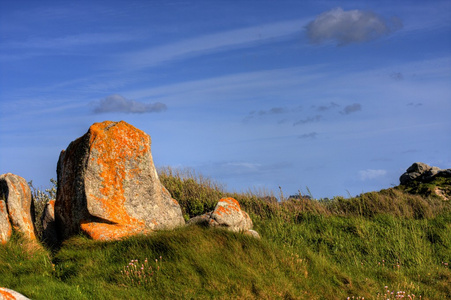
203	220
227	214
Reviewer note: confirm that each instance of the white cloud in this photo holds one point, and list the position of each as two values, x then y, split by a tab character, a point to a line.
351	26
369	174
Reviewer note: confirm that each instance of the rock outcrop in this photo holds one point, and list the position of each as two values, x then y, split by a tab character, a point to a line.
227	214
7	294
422	172
108	186
49	234
16	207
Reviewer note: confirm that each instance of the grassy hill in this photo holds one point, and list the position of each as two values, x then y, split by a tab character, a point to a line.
378	245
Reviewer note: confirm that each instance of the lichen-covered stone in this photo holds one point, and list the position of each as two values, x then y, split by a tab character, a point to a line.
5	226
108	186
7	294
227	214
19	204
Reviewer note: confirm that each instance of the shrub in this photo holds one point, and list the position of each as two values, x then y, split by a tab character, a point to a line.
40	199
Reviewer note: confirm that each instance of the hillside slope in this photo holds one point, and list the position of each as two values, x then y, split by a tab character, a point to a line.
368	246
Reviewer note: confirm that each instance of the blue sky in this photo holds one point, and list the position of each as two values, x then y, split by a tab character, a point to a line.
337	96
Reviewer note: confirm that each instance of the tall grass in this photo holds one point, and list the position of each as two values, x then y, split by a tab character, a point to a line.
197	194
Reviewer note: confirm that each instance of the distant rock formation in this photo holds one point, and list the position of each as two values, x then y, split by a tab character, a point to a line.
422	172
7	294
108	186
227	214
16	208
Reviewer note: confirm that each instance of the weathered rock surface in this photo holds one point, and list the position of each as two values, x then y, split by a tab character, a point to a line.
422	172
16	207
108	186
7	294
49	234
5	226
227	214
252	233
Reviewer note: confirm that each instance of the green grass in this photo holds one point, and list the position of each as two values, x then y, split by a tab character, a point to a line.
328	249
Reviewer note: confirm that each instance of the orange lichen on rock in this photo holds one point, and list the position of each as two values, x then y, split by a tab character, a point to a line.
107	232
17	204
5	295
227	206
108	177
231	201
115	145
227	214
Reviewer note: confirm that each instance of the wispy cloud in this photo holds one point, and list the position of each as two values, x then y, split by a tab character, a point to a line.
355	107
308	120
397	76
330	106
220	41
353	26
414	104
69	41
117	103
369	174
311	135
269	112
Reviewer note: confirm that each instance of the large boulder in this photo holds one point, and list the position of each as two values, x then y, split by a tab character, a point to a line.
16	207
229	215
108	186
7	294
